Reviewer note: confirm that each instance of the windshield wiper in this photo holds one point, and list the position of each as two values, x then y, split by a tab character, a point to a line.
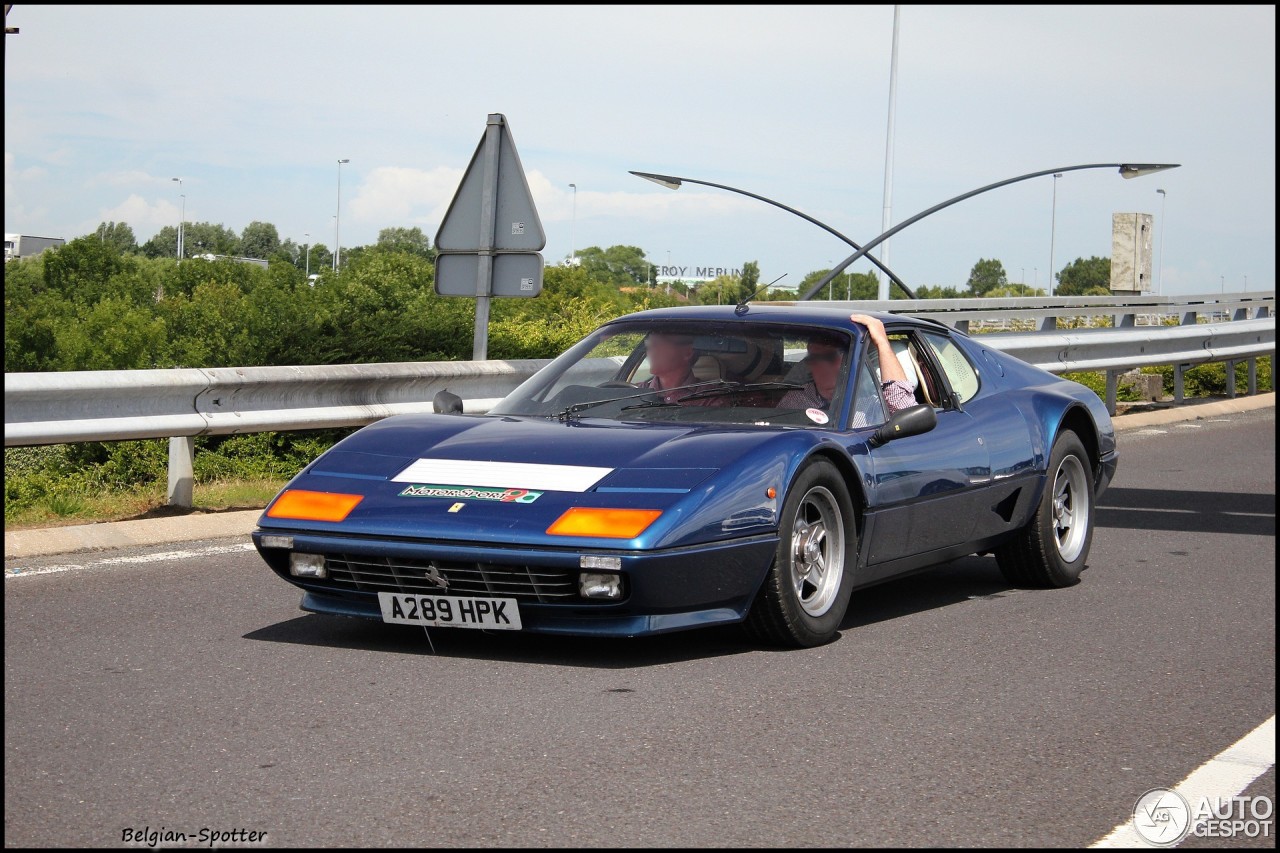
578	407
737	387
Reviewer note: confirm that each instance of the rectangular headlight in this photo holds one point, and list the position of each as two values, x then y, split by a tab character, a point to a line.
588	561
307	565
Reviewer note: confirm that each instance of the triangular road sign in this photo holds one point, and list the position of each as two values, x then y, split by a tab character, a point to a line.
516	226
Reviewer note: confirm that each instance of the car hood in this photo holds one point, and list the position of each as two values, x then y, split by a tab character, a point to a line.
506	479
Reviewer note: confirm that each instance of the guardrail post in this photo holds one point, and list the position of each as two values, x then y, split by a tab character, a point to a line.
1231	379
962	326
1178	370
1253	377
1113	380
182	455
1048	324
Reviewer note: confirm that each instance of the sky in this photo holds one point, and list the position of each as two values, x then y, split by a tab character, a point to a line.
253	107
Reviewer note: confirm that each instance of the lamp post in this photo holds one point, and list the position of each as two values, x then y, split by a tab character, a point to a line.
573	225
882	287
1053	228
1127	170
1160	269
308	272
673	183
337	219
183	221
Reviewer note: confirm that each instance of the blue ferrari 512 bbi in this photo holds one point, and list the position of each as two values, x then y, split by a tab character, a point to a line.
686	467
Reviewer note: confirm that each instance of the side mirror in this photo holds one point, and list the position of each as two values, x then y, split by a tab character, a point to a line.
912	421
446	403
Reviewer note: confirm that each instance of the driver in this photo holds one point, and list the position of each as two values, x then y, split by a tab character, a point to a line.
671	358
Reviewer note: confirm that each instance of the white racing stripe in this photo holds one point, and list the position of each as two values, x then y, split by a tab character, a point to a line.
19	572
513	475
1224	776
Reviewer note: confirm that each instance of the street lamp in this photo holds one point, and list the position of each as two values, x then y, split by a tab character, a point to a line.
183	221
308	272
1127	170
1053	229
573	225
1160	269
674	183
337	219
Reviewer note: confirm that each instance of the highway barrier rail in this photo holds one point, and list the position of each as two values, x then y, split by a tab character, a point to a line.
179	404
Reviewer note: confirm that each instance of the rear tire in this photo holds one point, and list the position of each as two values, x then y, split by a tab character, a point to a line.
1051	550
806	593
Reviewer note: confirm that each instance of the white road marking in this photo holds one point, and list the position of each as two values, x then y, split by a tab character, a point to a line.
18	571
1223	776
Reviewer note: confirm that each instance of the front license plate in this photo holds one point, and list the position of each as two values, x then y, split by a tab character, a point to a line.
450	611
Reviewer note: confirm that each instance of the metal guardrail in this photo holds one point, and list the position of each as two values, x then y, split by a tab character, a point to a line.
114	405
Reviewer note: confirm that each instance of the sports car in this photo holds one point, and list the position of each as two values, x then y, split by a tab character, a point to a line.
693	466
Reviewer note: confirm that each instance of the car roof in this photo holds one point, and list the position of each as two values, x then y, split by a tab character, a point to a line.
807	314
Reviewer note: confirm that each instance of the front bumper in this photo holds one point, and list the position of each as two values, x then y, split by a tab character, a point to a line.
668	590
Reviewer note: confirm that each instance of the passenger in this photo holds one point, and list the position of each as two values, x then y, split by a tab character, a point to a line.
825	359
897	389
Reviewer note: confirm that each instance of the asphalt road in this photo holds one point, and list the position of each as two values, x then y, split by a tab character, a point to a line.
179	688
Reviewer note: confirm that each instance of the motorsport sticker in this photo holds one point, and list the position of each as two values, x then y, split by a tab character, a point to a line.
816	415
475	493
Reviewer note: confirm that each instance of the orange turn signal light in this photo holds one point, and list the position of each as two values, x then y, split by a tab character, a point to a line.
313	506
610	523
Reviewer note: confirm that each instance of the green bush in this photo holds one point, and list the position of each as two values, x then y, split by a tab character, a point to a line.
60	477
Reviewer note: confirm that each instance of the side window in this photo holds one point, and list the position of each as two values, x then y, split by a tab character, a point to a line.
961	373
868	408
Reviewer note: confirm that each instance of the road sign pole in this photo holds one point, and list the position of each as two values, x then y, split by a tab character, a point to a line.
488	219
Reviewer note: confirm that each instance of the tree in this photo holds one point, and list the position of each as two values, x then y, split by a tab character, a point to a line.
205	238
750	280
939	291
259	240
986	276
1085	278
164	244
81	269
118	235
855	285
722	290
618	265
410	240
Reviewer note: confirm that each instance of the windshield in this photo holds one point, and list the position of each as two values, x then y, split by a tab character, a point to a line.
693	371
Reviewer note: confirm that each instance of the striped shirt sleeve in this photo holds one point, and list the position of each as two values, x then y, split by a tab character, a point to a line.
898	396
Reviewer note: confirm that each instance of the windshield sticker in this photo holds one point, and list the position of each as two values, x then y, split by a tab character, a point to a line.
816	415
477	493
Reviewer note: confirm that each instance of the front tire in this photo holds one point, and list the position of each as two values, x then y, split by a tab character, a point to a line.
806	593
1051	550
